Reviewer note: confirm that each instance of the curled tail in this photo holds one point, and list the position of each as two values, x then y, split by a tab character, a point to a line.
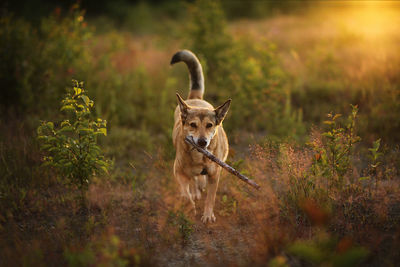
195	70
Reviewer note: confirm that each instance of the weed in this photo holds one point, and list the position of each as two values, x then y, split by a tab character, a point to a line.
72	146
333	155
229	206
185	226
374	162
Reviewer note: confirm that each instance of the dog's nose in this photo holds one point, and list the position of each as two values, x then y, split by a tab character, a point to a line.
202	142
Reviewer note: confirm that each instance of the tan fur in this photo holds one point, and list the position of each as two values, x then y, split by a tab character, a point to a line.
189	163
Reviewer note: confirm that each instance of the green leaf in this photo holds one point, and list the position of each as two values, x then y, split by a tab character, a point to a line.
85	99
67	129
329	122
50	125
51	139
85	130
65	123
328	134
42	138
67	108
53	149
77	90
336	116
103	131
364	178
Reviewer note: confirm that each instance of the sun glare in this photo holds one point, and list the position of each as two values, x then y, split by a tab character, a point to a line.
373	19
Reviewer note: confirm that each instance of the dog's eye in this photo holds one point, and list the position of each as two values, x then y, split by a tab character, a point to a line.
193	125
209	125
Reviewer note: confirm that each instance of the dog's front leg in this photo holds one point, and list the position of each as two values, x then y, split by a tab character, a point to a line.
184	183
195	187
212	185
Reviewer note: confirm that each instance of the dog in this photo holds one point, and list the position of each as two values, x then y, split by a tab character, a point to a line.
198	119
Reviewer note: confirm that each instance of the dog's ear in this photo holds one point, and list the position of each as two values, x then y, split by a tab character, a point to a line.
183	107
220	112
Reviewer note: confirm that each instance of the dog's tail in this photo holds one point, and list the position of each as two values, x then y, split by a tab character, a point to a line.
195	70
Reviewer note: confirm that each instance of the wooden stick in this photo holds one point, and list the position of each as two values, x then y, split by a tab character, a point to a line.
221	163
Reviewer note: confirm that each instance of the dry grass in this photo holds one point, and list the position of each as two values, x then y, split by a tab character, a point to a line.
151	222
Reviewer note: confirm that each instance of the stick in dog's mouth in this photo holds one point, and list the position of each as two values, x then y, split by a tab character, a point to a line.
190	141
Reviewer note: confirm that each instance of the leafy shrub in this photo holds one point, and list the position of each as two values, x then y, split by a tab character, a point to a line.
72	146
209	38
35	62
246	72
320	171
333	158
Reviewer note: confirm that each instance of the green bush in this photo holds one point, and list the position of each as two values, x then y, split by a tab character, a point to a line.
336	151
246	72
322	171
36	62
72	145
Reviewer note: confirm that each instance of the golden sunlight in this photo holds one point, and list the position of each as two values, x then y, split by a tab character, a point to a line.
373	18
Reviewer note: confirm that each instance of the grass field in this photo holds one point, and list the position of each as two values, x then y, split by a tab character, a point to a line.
329	183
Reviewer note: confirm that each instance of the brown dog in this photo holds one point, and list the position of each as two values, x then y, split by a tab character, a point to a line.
198	119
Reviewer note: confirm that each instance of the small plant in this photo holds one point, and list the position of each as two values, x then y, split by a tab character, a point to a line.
229	206
185	226
311	177
72	146
375	156
333	158
374	163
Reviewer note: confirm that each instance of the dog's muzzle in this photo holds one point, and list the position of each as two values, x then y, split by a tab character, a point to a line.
202	142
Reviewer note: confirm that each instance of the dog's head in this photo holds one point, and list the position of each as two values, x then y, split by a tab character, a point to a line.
201	123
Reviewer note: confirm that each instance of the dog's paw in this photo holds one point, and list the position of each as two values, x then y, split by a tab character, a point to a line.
208	218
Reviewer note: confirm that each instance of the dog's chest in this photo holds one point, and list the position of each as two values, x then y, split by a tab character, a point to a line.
198	162
197	157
